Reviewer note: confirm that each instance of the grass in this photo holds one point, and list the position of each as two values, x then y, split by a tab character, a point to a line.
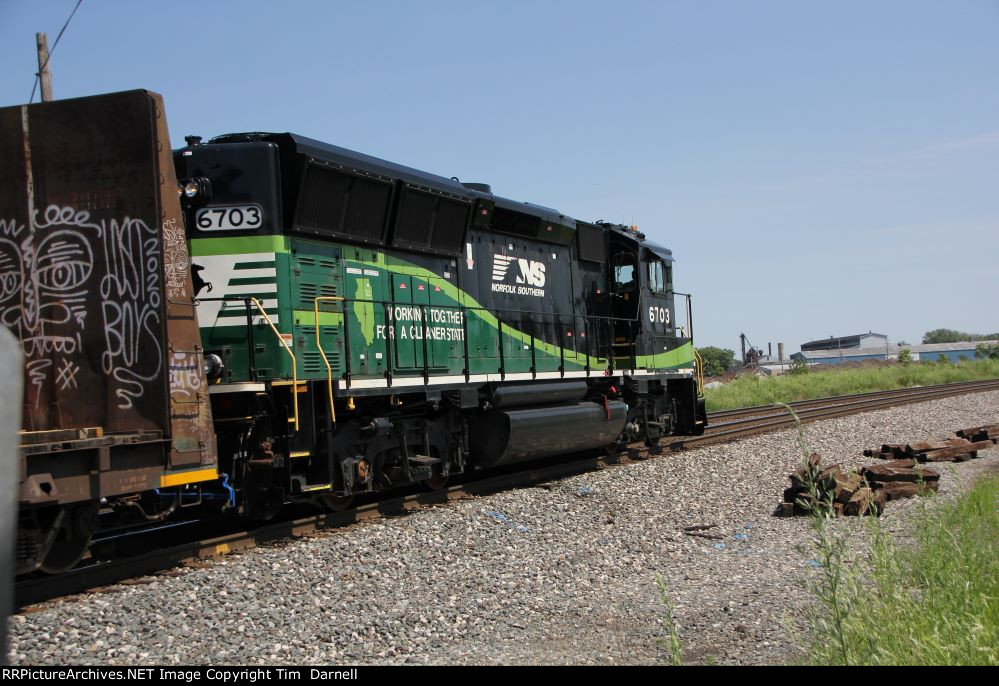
751	390
936	603
933	603
671	644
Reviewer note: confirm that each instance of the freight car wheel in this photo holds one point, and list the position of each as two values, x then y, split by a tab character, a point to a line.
337	503
72	539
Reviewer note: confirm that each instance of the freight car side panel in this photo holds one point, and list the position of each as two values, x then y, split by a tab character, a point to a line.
81	280
95	282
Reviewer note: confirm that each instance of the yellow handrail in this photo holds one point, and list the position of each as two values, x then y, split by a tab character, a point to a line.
294	366
699	372
319	345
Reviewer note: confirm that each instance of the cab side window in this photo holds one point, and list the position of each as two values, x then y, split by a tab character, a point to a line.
657	277
624	272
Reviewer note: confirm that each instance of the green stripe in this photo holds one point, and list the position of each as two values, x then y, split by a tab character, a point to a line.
238	244
242	315
678	357
256	265
231	299
401	267
308	318
241	311
251	280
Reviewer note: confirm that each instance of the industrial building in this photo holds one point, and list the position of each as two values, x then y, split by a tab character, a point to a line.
876	346
861	340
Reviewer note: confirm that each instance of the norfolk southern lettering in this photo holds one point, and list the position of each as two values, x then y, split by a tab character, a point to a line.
530	272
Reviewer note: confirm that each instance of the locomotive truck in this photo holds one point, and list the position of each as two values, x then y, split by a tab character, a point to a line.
263	318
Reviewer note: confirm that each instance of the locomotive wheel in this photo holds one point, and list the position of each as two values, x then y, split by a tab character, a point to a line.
436	482
72	539
613	451
337	503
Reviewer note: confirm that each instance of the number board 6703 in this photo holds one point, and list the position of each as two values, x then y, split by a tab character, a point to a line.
229	218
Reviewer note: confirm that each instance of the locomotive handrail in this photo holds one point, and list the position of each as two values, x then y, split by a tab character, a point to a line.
690	312
479	308
699	372
557	319
294	365
241	298
319	345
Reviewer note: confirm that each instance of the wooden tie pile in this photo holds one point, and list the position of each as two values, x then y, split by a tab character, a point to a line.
964	447
866	492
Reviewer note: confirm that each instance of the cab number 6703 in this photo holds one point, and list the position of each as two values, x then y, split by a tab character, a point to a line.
659	314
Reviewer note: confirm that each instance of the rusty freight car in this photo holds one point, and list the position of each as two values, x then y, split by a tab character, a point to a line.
95	282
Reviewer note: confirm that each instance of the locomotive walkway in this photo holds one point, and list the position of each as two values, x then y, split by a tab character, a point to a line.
724	426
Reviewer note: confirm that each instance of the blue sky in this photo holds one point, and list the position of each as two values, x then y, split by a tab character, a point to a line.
818	168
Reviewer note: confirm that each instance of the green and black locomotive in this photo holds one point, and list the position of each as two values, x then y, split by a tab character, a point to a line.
368	325
236	325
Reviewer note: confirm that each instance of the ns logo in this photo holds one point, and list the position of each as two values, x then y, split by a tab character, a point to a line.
529	272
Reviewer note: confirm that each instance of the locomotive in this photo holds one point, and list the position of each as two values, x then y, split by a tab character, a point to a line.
264	318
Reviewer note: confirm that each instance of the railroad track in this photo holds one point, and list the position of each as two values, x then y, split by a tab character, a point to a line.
724	426
732	424
799	405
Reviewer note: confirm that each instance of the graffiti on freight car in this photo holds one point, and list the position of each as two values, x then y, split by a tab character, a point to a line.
186	395
131	291
176	262
45	281
66	376
52	285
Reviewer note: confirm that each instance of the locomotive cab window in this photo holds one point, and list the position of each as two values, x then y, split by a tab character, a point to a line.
657	276
624	272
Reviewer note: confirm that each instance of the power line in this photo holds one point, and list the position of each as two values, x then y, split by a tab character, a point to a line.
54	45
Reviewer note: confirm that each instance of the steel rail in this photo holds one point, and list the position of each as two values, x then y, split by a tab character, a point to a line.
758	410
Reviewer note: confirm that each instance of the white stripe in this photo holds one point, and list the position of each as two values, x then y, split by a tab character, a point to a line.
409	381
257	321
235	313
519	376
406	381
228	261
236	388
250	288
218	269
252	273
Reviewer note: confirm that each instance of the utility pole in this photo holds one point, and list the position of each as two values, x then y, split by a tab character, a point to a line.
44	72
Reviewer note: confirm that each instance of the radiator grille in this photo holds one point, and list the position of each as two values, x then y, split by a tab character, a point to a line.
335	202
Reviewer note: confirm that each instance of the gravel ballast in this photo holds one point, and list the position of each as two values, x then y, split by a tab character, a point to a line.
563	574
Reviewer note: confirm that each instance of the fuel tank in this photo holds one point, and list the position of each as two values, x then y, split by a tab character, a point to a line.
502	437
539	394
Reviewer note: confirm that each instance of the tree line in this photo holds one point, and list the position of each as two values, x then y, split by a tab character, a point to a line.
953	336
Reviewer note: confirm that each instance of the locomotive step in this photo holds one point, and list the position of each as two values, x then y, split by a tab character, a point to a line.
422	466
423	461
